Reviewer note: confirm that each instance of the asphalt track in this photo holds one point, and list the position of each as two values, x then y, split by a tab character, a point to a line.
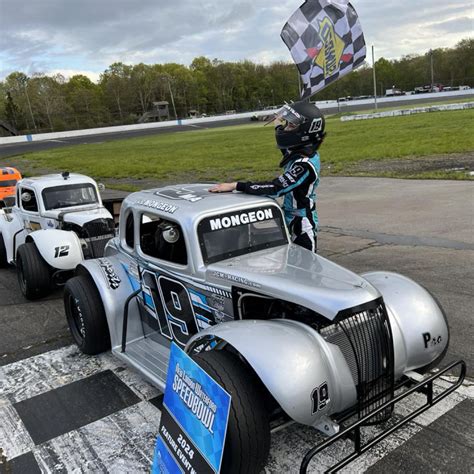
28	147
96	415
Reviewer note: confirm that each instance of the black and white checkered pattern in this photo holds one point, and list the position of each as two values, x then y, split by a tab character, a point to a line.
63	411
302	35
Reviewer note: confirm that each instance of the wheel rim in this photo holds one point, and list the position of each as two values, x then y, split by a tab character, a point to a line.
76	319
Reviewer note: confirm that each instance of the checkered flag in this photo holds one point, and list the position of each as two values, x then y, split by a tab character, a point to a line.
326	41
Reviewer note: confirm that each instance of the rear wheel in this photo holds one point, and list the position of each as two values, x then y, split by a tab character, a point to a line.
86	315
248	432
32	271
3	253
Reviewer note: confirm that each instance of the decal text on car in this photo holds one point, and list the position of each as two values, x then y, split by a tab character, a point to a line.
113	280
431	341
235	278
158	205
241	218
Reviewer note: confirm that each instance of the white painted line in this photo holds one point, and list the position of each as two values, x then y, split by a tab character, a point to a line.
41	373
290	446
14	438
403	112
122	442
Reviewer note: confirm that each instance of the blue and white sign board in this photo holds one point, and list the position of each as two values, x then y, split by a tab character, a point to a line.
193	420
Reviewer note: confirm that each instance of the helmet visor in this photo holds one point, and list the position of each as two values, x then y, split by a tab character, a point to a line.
289	115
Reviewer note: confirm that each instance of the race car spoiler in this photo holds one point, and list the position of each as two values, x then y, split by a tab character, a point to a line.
353	432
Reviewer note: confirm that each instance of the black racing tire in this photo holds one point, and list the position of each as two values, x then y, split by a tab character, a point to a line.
86	315
248	432
3	253
33	272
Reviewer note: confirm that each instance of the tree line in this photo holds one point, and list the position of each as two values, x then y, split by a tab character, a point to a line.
43	103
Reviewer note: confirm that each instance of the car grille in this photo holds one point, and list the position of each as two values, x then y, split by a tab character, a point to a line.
96	234
365	339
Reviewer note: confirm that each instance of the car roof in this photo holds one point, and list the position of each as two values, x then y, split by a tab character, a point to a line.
7	173
57	179
184	201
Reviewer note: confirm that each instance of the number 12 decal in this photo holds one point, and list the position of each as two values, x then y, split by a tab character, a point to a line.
168	301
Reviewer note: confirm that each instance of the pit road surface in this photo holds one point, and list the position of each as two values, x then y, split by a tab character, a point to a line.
422	229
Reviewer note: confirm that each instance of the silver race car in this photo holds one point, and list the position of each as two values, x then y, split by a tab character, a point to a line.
288	333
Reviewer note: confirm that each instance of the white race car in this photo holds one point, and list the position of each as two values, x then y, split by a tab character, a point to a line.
56	222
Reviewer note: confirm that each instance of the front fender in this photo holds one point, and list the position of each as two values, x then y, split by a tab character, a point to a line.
60	248
419	324
114	285
293	361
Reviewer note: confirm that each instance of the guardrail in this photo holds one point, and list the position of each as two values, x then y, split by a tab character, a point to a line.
323	105
414	111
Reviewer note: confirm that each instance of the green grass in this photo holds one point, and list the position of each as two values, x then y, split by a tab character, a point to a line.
248	152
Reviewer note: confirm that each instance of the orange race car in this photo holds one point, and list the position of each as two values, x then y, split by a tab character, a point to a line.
8	180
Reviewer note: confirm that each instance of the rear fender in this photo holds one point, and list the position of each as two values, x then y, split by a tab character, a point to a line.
294	363
114	285
419	324
60	249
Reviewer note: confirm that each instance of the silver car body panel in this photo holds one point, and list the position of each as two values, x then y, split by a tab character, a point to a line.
417	316
291	273
291	358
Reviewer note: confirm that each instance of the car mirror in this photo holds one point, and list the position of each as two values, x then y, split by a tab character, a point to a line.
101	187
26	197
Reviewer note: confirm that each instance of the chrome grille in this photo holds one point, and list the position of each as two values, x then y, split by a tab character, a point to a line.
96	234
364	337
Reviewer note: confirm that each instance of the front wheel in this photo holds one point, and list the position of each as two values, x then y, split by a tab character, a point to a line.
248	432
86	315
33	272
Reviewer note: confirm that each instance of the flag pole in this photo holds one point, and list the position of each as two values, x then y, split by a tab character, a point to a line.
375	79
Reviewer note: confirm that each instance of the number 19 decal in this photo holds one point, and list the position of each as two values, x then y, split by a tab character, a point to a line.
168	301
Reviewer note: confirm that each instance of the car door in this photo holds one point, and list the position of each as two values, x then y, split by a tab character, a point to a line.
173	306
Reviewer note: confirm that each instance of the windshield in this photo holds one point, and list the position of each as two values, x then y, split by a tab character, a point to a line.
8	183
237	233
59	197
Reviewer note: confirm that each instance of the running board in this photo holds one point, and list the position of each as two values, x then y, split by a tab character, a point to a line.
353	433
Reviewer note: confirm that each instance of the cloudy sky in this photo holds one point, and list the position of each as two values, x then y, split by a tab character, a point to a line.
85	36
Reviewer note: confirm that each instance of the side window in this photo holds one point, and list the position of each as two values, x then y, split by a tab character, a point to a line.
163	239
130	231
28	200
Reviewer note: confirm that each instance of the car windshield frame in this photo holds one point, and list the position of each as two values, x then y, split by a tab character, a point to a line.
246	220
50	206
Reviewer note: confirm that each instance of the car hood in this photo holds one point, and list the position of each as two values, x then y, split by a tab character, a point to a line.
294	274
79	216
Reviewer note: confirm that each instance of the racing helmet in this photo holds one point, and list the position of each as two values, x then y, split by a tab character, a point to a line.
303	125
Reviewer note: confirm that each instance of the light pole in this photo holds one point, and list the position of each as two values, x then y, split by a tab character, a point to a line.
432	70
172	97
29	105
375	79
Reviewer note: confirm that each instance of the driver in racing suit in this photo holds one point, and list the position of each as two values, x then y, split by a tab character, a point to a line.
298	138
